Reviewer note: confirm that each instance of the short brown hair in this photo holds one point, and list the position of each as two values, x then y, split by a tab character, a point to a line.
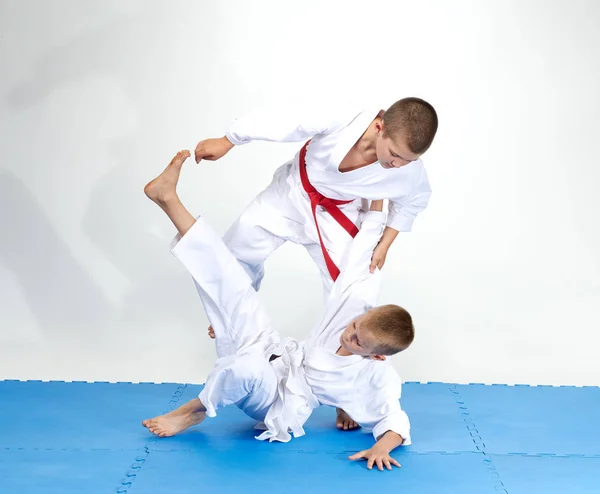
412	119
393	327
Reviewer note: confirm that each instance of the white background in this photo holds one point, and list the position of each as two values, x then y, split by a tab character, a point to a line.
501	272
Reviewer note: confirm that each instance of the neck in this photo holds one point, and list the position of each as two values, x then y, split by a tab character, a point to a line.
366	148
367	144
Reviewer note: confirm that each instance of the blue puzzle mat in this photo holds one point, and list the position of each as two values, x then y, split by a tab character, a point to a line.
60	437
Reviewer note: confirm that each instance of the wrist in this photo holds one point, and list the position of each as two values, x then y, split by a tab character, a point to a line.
388	237
384	243
226	141
380	448
389	441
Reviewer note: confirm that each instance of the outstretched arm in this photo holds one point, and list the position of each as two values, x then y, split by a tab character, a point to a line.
355	265
280	126
289	126
383	414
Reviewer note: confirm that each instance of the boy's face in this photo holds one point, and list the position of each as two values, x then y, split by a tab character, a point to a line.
358	339
393	153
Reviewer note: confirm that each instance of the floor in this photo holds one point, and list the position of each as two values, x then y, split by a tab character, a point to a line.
58	437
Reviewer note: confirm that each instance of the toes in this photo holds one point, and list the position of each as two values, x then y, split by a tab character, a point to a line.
182	155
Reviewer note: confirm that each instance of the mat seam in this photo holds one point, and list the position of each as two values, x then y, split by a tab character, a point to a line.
477	440
139	462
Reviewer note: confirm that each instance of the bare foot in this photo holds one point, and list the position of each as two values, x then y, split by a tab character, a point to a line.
344	422
163	188
211	332
192	413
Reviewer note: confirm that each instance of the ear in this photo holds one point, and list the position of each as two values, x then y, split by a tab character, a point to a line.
378	125
378	357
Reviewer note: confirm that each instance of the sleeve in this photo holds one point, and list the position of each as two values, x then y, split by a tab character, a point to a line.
377	407
384	409
355	291
290	126
354	267
402	213
394	419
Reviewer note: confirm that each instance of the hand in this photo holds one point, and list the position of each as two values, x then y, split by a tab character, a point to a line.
375	455
378	259
212	149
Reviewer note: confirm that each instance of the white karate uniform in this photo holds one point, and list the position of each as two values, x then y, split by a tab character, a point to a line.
283	392
282	211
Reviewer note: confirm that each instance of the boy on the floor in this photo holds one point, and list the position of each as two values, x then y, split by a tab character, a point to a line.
341	364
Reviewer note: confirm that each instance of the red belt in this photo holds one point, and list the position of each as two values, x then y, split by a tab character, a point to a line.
331	206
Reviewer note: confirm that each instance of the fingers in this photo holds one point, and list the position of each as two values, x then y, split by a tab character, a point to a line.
376	262
204	151
212	149
380	461
199	151
372	266
357	456
200	155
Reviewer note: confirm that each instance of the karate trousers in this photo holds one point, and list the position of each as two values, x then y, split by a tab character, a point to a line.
242	375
